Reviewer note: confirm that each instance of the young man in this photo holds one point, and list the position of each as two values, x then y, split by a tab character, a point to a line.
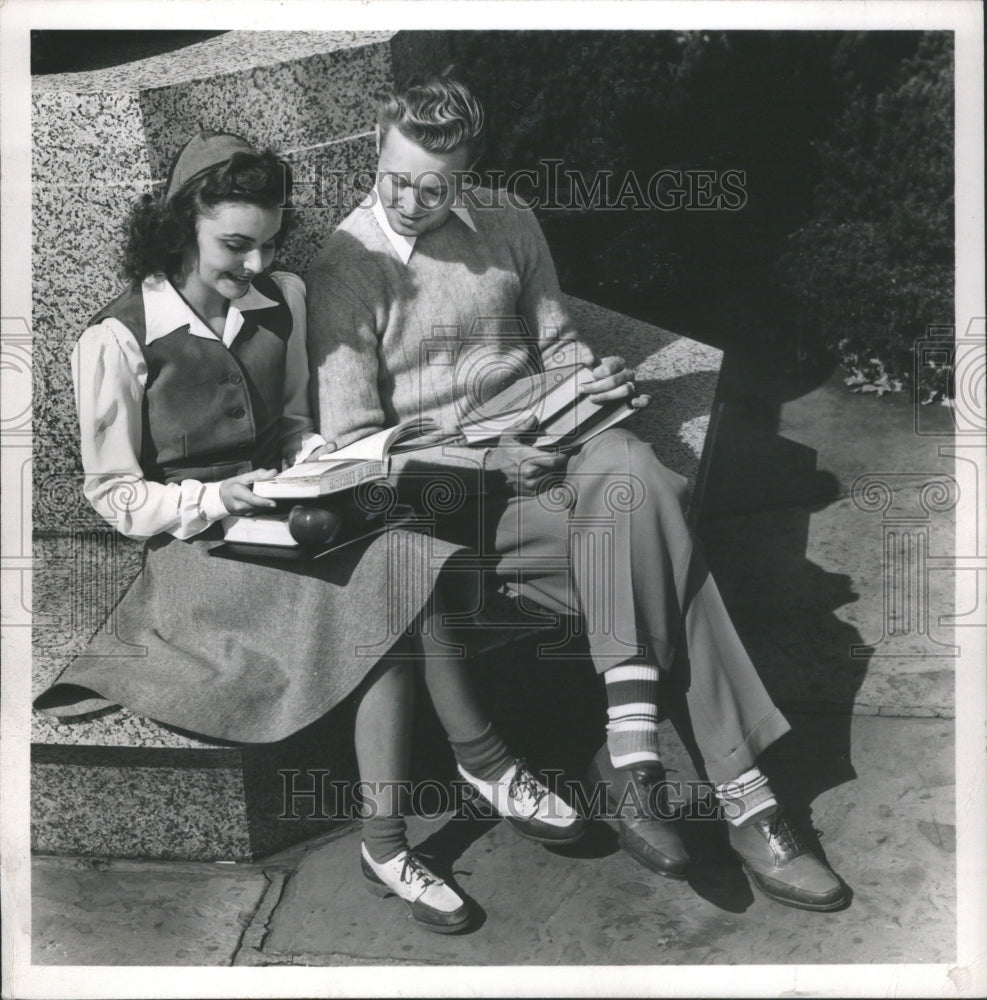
428	299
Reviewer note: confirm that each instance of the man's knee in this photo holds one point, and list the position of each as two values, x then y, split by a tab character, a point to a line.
620	454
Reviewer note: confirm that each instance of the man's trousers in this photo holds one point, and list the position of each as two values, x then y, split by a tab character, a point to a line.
608	540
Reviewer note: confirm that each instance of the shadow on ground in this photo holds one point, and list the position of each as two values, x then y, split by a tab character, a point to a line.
761	492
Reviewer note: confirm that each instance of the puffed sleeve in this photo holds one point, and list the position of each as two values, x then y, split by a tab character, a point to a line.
109	374
298	436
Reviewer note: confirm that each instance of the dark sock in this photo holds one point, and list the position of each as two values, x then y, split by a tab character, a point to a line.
385	837
485	756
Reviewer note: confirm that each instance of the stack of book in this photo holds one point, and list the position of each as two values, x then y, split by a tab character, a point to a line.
553	403
551	406
336	473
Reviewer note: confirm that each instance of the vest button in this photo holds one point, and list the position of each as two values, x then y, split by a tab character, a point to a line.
235	379
237	412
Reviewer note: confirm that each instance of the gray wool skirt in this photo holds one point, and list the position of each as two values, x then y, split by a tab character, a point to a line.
250	651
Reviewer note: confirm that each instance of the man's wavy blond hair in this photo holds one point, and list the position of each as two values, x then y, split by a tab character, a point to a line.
438	113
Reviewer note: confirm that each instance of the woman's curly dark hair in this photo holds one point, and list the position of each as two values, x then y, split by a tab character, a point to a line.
159	232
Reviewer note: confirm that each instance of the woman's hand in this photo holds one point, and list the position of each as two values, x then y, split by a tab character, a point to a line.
239	498
323	451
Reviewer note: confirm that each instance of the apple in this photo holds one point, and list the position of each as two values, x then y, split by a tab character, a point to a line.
314	525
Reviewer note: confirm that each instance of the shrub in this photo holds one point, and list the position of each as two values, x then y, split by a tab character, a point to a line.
643	101
845	242
873	268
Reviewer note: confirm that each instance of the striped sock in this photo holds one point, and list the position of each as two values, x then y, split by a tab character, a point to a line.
746	797
632	714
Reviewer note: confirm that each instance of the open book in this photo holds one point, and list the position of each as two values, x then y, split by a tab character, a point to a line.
366	458
565	415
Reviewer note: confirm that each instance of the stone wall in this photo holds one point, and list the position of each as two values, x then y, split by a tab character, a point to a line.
102	138
118	784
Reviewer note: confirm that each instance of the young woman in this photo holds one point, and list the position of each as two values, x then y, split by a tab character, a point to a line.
190	386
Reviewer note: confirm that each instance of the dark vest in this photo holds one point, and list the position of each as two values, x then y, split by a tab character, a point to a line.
210	411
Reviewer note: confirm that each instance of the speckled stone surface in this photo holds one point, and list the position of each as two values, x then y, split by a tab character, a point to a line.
678	373
223	54
139	811
102	138
203	804
291	105
329	182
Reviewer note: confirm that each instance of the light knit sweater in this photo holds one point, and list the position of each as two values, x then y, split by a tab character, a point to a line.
469	313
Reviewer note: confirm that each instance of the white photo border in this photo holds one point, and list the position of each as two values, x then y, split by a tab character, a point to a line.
966	977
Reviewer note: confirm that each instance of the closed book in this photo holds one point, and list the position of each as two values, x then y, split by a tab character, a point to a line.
583	421
361	526
553	407
258	529
537	398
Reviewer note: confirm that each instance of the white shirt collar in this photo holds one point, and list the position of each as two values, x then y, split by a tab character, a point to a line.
166	311
404	246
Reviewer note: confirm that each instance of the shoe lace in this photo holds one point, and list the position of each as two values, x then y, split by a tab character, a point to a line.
786	835
647	778
414	871
524	785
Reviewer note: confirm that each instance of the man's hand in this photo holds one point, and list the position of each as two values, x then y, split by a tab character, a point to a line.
612	379
239	498
527	469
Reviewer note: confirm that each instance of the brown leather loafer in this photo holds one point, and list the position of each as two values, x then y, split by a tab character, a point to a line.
780	864
639	799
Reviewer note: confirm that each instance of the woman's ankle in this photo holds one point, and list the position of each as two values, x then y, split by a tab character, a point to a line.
485	756
385	837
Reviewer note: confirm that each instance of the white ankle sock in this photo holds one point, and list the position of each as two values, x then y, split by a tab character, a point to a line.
747	796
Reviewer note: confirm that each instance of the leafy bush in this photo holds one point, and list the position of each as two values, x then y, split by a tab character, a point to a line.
873	268
643	101
845	242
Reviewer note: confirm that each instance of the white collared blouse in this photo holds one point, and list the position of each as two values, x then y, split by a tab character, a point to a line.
109	374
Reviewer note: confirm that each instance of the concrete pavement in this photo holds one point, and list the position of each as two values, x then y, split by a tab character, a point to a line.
889	833
868	767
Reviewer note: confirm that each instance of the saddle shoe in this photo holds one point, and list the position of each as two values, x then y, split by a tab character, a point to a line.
529	806
434	904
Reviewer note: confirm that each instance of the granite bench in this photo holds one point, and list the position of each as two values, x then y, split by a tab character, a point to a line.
124	786
120	785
